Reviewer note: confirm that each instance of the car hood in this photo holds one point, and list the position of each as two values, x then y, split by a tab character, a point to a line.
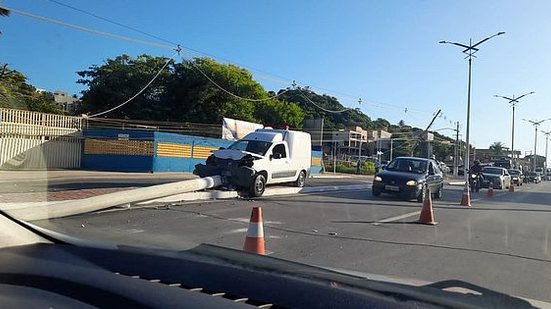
233	154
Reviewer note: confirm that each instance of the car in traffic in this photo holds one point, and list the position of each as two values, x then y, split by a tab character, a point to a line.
406	177
498	177
533	177
517	177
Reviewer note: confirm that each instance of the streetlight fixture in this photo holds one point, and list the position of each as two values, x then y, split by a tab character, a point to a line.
536	124
469	50
513	102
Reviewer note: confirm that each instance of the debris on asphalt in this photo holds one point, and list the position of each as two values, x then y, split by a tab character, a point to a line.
333	234
315	231
82	225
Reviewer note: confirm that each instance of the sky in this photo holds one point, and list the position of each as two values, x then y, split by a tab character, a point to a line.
384	52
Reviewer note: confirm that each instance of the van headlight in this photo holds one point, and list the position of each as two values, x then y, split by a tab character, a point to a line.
378	178
411	183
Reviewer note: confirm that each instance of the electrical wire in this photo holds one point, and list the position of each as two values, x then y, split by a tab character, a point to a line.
120	37
323	109
113	22
138	93
89	30
231	93
279	79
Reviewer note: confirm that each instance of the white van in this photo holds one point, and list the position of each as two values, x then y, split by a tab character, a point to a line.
266	156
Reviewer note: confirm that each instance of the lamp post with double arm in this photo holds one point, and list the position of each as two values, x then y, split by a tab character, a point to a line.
469	50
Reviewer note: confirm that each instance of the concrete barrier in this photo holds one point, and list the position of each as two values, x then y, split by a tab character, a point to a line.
95	203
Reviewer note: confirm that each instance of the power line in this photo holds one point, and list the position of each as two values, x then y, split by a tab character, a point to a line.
231	93
323	109
139	92
89	30
113	22
120	37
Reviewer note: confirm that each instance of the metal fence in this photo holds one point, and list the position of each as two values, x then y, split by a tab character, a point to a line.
32	140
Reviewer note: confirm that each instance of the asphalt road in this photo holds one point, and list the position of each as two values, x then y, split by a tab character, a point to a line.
501	243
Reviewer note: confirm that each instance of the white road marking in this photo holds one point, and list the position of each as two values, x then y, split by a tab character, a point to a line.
234	231
134	231
396	218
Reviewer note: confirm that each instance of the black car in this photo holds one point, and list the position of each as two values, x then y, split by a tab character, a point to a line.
407	176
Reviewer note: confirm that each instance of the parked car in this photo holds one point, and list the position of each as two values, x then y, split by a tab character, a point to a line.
533	177
497	176
517	177
407	177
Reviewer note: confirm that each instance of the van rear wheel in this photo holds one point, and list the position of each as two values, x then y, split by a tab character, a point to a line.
301	179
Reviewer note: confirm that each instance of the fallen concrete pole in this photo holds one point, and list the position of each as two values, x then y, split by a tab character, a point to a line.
95	203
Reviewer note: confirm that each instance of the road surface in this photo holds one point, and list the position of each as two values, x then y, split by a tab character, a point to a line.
500	243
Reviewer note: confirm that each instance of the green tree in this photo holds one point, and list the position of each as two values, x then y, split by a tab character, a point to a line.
197	90
119	79
333	120
497	148
16	93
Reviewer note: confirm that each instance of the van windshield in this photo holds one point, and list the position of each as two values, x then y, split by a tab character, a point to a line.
258	147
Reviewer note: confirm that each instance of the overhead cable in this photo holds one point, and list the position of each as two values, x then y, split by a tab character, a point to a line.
112	22
89	30
120	37
231	93
139	92
320	107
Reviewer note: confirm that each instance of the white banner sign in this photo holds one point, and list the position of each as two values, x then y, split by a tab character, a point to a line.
237	129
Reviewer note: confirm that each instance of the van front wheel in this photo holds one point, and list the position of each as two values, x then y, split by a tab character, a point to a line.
258	186
301	179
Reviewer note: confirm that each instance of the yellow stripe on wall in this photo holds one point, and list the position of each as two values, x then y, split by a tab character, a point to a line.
116	147
173	150
316	161
202	152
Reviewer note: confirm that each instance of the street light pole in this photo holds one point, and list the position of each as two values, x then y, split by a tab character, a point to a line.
513	102
546	144
469	50
536	124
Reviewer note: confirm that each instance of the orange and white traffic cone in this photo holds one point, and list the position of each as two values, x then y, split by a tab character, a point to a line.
427	216
491	192
512	186
254	242
466	199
